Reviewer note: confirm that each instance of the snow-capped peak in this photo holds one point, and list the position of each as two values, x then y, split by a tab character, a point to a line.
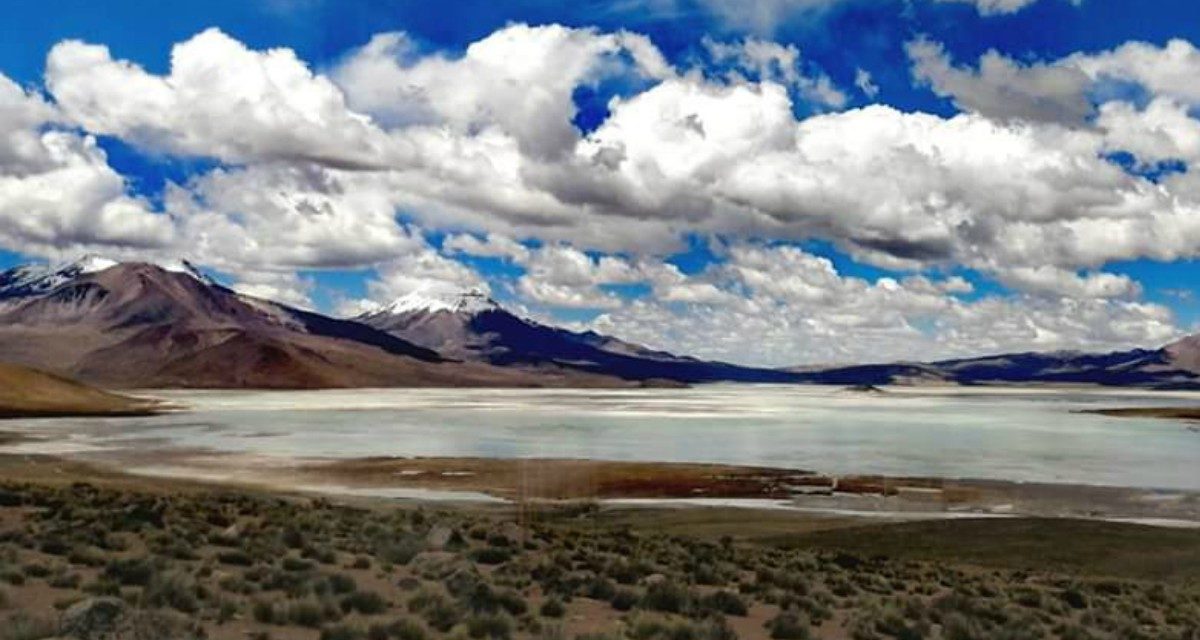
32	279
432	300
36	279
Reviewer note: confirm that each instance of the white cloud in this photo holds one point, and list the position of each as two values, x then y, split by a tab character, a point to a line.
1058	282
286	287
766	61
801	310
1002	88
520	78
320	169
57	191
1162	130
220	99
423	270
865	83
493	245
563	276
1059	90
1001	7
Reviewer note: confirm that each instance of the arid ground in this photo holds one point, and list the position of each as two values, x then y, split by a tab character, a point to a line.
87	552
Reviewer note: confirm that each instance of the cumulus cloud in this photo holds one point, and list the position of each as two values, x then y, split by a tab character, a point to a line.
316	166
286	287
800	309
1060	90
57	191
1003	88
219	100
492	246
420	271
520	78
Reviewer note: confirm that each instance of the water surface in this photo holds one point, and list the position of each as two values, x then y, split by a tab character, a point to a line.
1001	434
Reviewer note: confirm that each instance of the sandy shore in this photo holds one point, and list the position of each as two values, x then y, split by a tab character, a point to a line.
1190	414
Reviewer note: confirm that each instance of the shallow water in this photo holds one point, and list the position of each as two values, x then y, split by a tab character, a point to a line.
1001	434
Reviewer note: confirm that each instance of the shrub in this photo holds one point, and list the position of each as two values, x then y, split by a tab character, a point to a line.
401	551
552	608
296	564
491	555
129	571
436	608
341	583
600	588
511	602
494	625
789	625
667	597
172	589
623	600
235	558
405	629
1074	598
365	602
263	612
726	602
342	632
307	613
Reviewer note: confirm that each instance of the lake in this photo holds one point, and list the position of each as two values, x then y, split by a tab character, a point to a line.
1000	434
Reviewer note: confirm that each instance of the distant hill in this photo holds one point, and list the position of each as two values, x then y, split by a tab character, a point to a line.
471	326
139	325
145	325
1175	366
26	392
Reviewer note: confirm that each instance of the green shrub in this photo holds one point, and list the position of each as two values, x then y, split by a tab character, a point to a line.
340	583
789	625
172	589
667	597
491	555
490	625
235	558
342	632
623	600
130	571
726	602
365	602
401	551
552	608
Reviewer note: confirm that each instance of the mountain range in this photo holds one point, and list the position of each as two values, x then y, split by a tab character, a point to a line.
168	325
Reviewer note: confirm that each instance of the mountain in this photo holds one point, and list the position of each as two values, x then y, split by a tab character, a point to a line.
147	325
469	325
26	393
1174	366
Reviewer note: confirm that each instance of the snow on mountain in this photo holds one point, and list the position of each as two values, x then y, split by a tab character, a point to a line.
433	300
34	279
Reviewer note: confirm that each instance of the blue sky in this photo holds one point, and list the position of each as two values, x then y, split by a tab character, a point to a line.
1001	184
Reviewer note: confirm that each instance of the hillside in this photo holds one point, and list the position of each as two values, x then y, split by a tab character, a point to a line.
26	392
138	325
470	326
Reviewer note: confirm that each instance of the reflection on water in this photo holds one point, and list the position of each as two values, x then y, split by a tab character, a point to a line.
1024	435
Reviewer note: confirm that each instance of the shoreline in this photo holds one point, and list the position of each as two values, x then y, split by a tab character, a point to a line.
550	483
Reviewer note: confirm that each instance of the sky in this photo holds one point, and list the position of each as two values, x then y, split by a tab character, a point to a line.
768	182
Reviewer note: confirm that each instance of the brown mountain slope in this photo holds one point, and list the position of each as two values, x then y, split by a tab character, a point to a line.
137	325
26	392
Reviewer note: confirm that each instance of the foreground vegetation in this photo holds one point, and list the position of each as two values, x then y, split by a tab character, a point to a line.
87	561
